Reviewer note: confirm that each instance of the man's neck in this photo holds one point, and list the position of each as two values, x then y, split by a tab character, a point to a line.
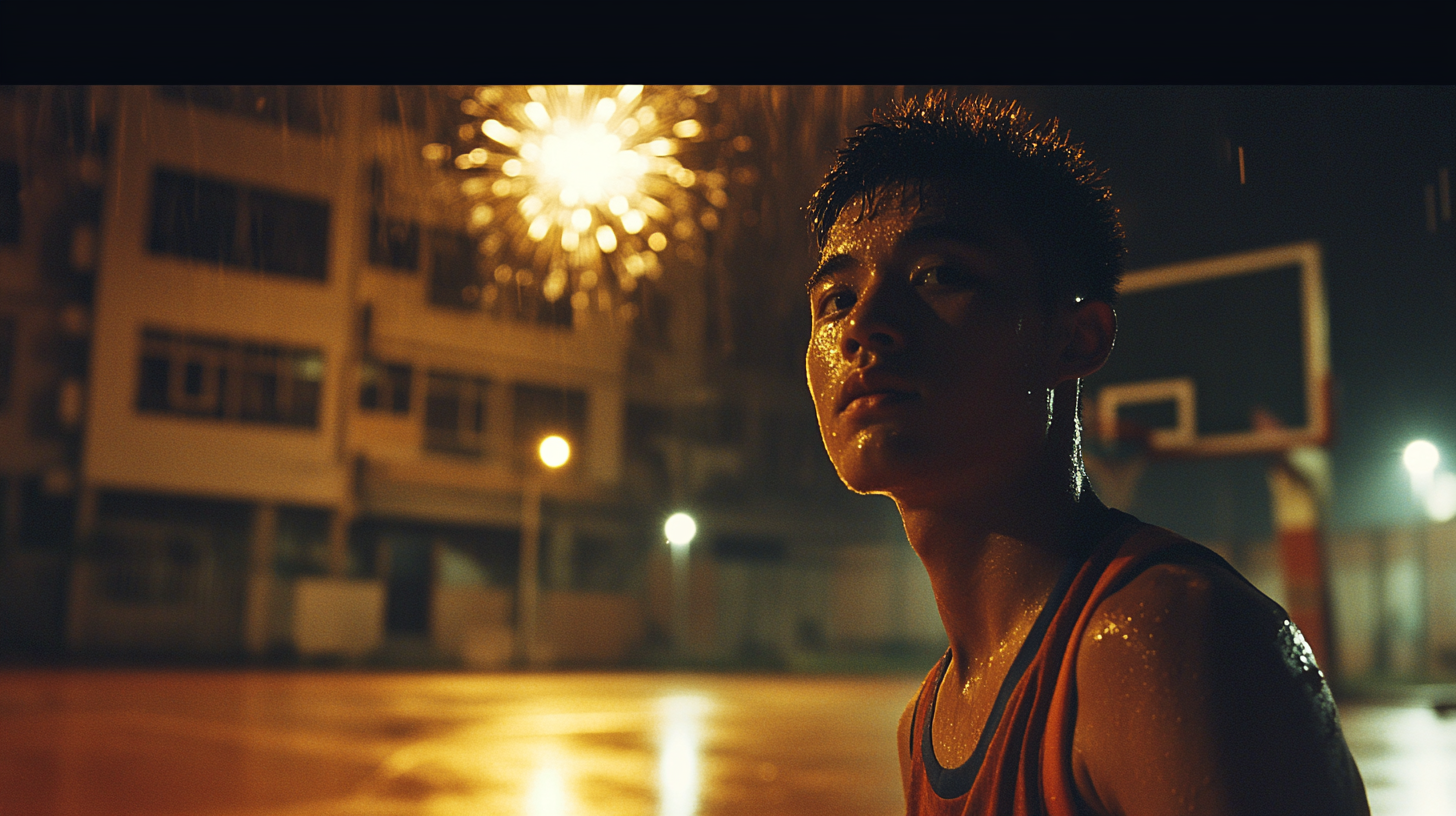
992	564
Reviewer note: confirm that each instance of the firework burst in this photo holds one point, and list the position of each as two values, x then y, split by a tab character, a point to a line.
583	190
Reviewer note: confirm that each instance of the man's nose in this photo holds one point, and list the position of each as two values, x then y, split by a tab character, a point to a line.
876	324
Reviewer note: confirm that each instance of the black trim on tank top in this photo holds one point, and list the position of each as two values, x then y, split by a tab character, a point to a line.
953	783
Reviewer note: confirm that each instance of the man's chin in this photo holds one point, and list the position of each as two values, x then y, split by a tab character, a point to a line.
886	466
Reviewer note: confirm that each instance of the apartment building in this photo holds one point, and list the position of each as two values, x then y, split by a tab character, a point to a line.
51	174
303	431
274	404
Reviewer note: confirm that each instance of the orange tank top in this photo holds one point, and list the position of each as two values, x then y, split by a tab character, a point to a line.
1022	763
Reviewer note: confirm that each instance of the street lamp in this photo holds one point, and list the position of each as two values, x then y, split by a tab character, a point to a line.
1421	459
1433	487
554	451
680	529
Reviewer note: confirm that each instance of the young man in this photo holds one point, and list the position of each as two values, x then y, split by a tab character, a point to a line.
1097	664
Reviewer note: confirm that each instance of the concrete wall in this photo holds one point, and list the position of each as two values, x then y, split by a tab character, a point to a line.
473	624
205	620
1394	599
865	596
598	628
337	617
879	593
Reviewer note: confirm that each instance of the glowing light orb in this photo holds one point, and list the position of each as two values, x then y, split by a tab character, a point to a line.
680	529
1421	458
554	451
585	183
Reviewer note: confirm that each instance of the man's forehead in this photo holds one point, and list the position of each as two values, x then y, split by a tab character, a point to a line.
897	216
894	220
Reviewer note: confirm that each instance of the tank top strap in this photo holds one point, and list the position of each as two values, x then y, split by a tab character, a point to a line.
923	700
951	783
1005	766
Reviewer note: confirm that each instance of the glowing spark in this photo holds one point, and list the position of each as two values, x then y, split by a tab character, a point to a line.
587	183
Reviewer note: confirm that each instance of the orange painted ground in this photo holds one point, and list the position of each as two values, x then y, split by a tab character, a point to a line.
108	743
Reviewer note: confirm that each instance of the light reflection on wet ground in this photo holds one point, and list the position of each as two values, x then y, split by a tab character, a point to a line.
1407	757
108	743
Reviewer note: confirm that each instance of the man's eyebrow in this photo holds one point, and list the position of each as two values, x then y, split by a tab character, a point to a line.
829	267
968	234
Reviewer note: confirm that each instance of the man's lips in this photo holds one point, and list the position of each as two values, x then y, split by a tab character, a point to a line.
877	400
868	391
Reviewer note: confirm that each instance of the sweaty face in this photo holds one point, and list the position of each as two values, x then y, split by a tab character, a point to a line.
928	361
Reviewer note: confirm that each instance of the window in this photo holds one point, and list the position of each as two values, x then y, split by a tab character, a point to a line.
9	203
600	564
520	298
194	218
285	234
455	413
717	424
149	564
652	318
225	223
394	243
225	379
454	271
457	281
75	121
47	521
305	107
150	549
541	410
302	543
384	386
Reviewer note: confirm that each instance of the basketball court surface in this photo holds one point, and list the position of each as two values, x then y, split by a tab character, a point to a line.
221	743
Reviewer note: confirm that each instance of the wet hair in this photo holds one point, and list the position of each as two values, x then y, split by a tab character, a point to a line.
939	146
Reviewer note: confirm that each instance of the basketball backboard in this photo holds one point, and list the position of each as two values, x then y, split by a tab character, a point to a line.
1224	356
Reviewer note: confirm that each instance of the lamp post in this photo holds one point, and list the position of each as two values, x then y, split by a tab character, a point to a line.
1421	459
680	529
553	452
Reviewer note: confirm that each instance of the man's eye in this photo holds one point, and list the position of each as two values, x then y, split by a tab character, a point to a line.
836	301
942	275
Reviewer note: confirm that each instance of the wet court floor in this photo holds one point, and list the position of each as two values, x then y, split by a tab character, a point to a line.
164	743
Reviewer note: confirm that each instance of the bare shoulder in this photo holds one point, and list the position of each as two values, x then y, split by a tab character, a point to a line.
1197	695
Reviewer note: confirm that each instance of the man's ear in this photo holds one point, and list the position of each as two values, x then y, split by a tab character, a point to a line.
1090	328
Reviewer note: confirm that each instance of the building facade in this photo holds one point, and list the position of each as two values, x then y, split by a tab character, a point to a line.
276	406
296	437
51	178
